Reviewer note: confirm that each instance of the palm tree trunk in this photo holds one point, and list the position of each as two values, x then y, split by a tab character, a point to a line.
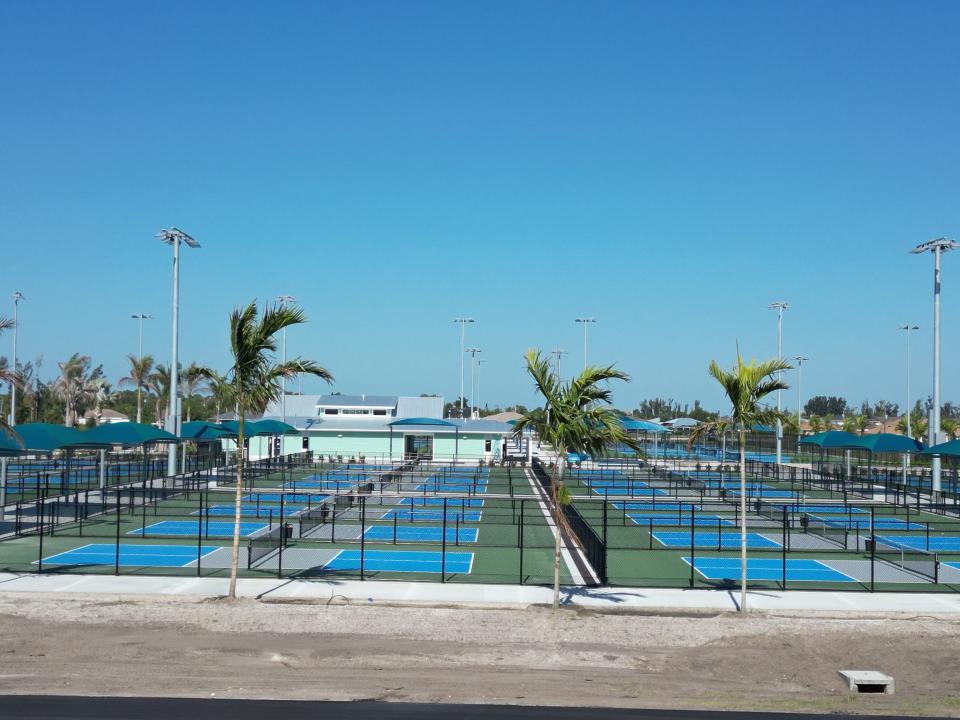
743	523
558	525
235	556
139	403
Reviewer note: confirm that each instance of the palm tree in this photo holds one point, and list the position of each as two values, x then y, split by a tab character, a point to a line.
7	375
255	381
158	382
860	423
75	385
950	426
816	423
918	424
140	371
221	390
192	380
577	417
101	392
746	385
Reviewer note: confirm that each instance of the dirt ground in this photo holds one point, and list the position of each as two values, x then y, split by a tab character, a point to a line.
180	646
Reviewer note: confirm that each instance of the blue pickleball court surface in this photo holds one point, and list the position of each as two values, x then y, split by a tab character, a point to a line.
253	510
313	500
763	493
824	509
632	492
406	533
333	485
679	521
137	555
727	540
434	515
938	543
863	524
666	507
193	528
452	503
714	568
402	561
451	487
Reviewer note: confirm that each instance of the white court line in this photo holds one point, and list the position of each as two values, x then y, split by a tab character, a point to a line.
564	551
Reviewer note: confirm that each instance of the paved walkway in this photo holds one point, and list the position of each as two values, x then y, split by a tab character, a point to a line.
627	599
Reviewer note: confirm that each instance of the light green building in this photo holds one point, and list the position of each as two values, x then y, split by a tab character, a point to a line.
380	427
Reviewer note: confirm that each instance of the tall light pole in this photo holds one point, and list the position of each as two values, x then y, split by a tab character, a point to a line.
779	306
479	363
558	352
283	300
937	247
800	361
585	322
173	236
463	324
17	297
473	361
140	317
907	329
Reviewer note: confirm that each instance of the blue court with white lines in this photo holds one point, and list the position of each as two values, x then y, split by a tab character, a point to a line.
679	520
434	515
862	524
621	491
402	561
132	555
287	498
724	540
935	543
452	503
191	528
252	510
714	568
406	533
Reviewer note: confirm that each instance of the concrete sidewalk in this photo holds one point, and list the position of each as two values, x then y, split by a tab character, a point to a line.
622	599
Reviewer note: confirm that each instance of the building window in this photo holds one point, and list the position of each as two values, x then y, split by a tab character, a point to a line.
354	411
305	443
488	445
331	411
379	412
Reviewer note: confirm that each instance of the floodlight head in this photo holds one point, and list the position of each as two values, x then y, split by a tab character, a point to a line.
142	316
940	244
800	358
585	320
463	320
172	235
18	296
908	326
282	299
473	351
779	305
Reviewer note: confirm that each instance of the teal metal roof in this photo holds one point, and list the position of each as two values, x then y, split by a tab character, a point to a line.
947	449
129	434
250	428
269	426
888	443
831	439
423	421
642	425
201	431
9	445
46	438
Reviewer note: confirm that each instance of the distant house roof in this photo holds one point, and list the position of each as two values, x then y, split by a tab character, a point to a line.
504	416
682	422
105	413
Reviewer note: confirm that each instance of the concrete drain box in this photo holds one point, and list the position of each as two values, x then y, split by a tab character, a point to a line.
868	681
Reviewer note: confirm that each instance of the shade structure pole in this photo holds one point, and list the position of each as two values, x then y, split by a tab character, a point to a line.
172	411
17	297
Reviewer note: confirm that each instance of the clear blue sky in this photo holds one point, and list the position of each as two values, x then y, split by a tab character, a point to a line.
667	168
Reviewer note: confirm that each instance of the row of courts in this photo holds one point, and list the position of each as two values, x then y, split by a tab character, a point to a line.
487	524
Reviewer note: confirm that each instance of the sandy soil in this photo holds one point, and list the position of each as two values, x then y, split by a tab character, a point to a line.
163	646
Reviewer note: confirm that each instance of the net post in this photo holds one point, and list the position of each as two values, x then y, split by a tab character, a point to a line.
520	541
116	546
443	545
199	534
693	545
363	532
783	546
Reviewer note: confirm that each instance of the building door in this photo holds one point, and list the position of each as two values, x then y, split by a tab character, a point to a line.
418	446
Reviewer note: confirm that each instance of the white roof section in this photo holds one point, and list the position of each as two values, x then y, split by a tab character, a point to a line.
297	405
348	423
429	407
